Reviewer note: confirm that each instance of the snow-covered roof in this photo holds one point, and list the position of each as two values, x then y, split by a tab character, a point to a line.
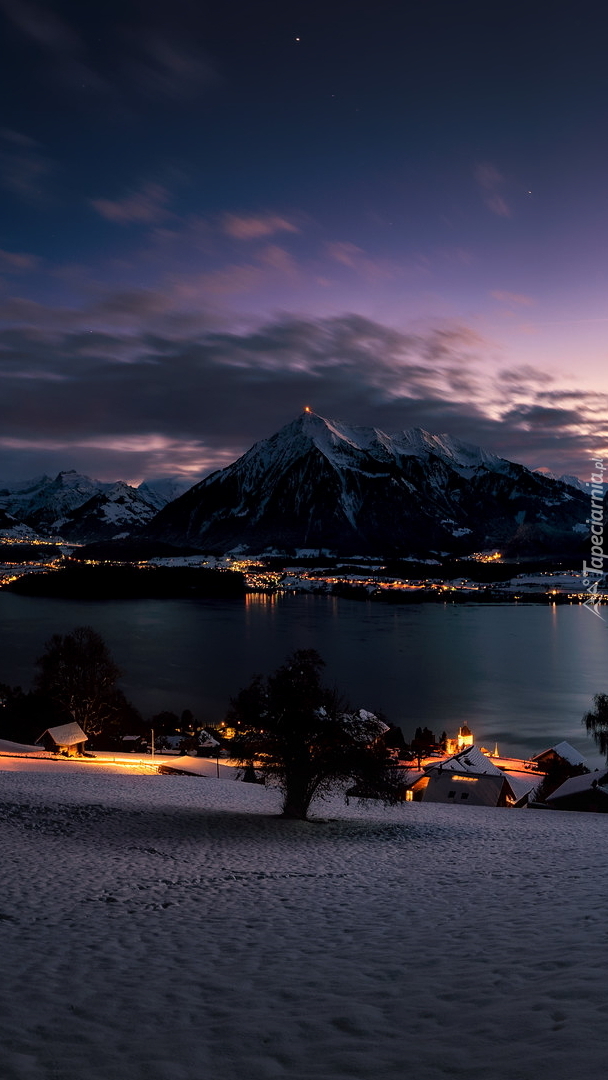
65	734
522	785
470	760
576	784
565	751
205	739
412	776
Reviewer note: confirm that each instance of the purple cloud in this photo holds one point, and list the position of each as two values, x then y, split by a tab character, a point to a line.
133	402
144	207
256	226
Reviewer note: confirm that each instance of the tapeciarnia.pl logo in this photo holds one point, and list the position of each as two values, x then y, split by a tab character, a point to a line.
594	571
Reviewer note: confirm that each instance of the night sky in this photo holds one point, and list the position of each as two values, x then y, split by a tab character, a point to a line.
214	214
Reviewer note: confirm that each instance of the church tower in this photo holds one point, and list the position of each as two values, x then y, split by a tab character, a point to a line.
465	737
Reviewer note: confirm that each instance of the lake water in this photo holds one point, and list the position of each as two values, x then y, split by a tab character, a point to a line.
522	676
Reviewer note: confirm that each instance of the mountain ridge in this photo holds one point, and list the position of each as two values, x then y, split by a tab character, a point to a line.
322	484
319	483
73	507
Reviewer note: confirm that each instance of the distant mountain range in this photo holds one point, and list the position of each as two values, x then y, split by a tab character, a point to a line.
319	484
78	509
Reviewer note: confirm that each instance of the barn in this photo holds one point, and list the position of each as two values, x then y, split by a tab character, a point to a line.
67	739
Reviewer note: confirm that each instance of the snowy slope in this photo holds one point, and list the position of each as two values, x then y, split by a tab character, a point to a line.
112	513
173	928
11	529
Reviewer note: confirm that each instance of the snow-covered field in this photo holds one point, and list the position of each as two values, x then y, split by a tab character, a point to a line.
173	928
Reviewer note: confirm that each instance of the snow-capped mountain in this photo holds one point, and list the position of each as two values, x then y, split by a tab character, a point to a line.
110	514
573	481
163	490
320	483
44	504
568	479
79	509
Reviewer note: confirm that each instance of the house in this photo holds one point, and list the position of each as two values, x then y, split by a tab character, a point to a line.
133	743
170	744
67	739
470	777
559	763
560	754
206	741
587	793
483	790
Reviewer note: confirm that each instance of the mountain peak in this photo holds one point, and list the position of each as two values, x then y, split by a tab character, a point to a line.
335	437
321	483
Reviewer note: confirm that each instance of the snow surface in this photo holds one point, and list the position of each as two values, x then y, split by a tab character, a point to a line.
173	928
7	747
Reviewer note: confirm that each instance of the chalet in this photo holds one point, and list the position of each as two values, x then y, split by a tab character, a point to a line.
67	739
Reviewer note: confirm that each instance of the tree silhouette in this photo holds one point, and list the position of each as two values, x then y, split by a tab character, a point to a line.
300	734
596	723
20	714
77	672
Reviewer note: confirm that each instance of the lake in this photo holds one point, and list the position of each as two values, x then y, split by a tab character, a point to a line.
519	675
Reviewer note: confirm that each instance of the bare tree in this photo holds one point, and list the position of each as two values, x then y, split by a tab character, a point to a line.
78	673
299	733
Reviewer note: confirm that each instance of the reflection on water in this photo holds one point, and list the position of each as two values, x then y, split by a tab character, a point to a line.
517	674
260	599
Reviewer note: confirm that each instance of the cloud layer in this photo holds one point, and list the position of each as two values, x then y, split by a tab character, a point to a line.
143	403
